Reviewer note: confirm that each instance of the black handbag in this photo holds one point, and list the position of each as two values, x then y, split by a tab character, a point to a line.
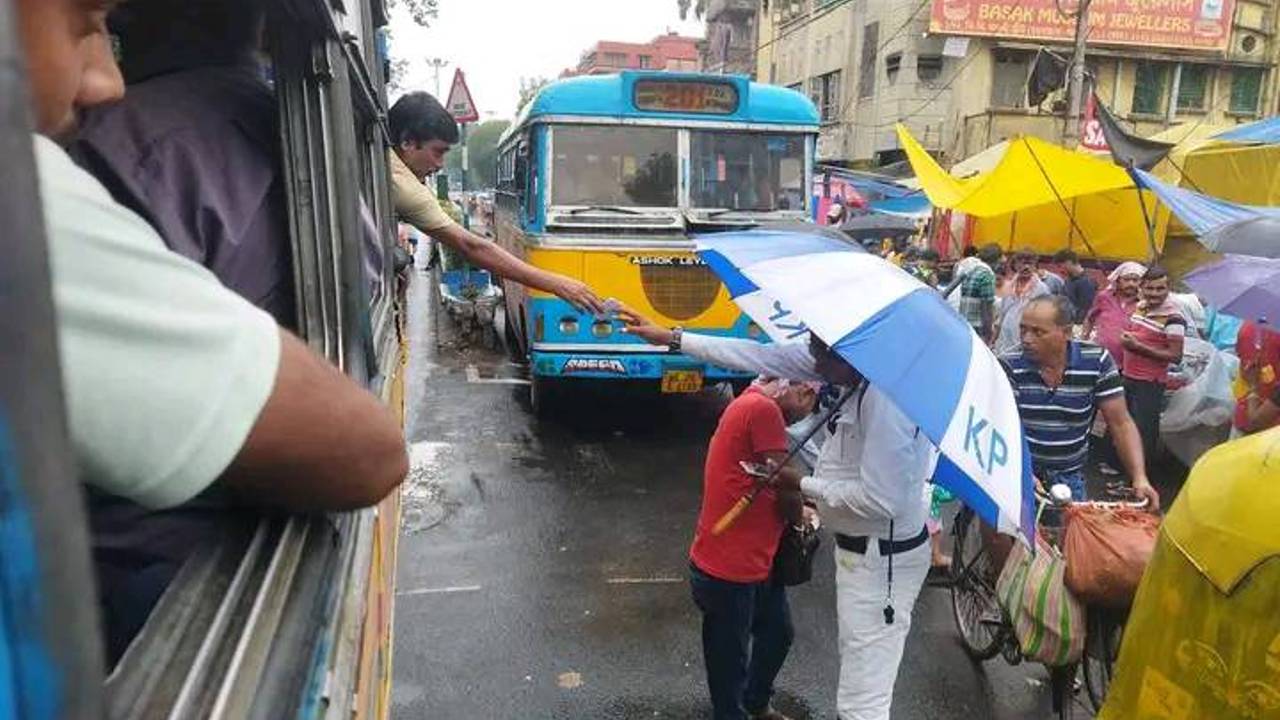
793	563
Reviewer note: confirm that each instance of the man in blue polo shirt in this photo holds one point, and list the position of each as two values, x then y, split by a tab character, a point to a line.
1059	384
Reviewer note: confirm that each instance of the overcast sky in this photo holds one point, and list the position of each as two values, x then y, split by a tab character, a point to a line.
498	42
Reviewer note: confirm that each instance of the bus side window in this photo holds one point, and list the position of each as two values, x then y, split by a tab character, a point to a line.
534	178
523	183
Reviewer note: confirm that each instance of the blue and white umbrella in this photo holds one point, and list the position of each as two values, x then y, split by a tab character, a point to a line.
905	339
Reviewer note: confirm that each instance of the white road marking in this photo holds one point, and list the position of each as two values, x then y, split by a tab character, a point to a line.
473	377
440	590
644	581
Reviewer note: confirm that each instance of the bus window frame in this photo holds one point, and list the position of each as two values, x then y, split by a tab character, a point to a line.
806	181
237	651
548	172
652	218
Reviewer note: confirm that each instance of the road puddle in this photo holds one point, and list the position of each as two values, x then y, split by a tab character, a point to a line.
426	504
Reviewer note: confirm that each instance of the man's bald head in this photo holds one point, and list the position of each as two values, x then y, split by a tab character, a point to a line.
1045	329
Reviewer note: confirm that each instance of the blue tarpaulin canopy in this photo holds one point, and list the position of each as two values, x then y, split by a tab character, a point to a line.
1266	132
912	206
871	184
1201	213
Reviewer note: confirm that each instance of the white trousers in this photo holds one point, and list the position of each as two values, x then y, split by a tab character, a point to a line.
870	649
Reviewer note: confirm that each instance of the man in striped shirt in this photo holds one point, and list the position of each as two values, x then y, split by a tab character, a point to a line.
1059	384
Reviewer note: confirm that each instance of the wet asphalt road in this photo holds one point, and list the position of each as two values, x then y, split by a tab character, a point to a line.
542	564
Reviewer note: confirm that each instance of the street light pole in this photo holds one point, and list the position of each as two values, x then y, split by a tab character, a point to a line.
1075	97
435	64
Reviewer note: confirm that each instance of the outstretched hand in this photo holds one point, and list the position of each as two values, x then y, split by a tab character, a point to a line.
578	294
643	328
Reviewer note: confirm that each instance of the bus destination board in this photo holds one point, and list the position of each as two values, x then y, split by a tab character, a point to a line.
712	98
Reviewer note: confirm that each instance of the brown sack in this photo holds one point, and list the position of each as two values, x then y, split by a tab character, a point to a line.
1107	551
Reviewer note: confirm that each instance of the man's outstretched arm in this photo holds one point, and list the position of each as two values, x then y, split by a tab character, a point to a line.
487	254
791	361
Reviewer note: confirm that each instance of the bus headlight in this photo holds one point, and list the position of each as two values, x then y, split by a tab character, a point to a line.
602	329
569	326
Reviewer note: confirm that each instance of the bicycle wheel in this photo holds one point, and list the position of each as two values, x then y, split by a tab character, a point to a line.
1101	650
973	597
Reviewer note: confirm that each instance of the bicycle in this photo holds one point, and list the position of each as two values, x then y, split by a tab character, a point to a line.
985	631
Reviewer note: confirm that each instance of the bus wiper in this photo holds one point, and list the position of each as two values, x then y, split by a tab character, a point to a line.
604	208
718	213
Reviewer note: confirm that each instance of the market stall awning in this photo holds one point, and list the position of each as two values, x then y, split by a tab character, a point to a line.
1201	213
1266	132
1031	173
910	206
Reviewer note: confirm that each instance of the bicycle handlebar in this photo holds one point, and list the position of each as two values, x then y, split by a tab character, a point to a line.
1046	499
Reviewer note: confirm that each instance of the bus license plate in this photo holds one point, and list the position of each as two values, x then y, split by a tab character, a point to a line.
682	381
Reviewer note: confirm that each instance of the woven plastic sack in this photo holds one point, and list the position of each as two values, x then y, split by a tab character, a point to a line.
1107	551
1048	621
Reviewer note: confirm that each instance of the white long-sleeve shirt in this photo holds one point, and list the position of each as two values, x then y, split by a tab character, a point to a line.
873	467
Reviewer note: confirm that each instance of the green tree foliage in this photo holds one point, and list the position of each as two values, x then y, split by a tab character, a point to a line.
422	11
482	142
529	88
699	8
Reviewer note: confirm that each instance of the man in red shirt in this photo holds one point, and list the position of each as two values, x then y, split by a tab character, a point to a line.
746	623
1152	341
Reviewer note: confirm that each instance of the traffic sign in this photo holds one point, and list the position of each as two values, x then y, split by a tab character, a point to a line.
460	105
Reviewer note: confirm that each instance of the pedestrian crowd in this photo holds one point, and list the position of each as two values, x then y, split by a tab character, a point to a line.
1076	356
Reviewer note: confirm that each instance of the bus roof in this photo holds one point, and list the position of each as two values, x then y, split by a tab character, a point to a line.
613	96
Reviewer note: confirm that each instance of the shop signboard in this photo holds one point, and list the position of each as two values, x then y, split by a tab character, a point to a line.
1203	25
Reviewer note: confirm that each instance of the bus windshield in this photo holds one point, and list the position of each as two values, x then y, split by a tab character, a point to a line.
614	167
746	171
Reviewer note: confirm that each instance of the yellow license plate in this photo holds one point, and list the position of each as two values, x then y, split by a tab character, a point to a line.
682	381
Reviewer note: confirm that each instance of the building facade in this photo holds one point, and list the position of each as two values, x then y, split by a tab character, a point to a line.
671	52
956	71
729	47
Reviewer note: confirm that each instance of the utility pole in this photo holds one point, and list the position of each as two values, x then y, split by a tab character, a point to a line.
1075	96
435	64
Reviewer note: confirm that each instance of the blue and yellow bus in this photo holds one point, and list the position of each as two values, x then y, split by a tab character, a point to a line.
607	178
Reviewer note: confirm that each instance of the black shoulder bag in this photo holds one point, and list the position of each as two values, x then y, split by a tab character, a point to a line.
793	563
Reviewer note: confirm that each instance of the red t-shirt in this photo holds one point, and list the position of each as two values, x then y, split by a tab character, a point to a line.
751	426
1156	328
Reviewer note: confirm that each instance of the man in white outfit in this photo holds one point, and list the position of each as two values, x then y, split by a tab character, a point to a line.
870	477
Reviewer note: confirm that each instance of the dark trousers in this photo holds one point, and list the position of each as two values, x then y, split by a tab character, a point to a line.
746	634
1146	401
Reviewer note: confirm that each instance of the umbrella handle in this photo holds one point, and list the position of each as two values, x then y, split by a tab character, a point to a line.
729	518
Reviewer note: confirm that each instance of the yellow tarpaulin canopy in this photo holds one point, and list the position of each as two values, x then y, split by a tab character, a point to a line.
1203	637
1009	189
1032	172
1106	225
1186	138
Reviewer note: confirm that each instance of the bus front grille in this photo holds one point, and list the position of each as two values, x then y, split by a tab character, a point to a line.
680	292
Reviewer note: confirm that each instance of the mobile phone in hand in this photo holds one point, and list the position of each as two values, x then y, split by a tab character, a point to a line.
609	311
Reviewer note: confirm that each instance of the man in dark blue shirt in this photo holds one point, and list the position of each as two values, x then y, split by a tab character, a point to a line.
1079	288
1059	385
194	145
